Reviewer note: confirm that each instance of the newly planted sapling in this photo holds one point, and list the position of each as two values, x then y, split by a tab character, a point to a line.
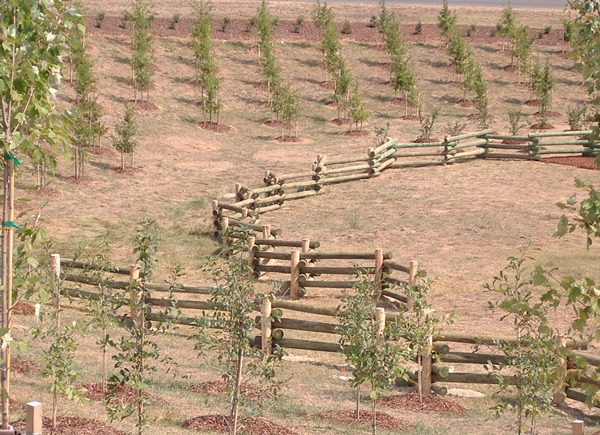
535	357
369	344
514	121
136	354
427	122
419	323
234	300
125	139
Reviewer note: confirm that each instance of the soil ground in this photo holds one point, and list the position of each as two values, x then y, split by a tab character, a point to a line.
460	222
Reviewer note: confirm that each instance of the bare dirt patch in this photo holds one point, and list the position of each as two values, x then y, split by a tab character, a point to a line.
75	425
213	126
384	421
46	192
222	423
576	161
431	403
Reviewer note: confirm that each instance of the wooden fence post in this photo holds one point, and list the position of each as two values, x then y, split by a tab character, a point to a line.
578	427
33	418
305	245
426	363
265	326
134	295
413	269
294	274
378	277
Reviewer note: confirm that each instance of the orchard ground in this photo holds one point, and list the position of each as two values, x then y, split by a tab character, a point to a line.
460	222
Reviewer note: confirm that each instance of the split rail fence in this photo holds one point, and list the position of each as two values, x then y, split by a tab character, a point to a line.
283	323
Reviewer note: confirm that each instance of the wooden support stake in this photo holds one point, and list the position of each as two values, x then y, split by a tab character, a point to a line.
558	398
33	418
266	231
294	274
224	231
380	321
265	326
238	190
134	278
578	427
55	266
378	276
413	268
251	241
426	368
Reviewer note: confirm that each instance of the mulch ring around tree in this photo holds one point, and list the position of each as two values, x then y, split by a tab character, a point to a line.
356	133
431	403
74	425
425	140
409	118
293	139
540	126
577	161
24	309
22	366
123	394
146	106
221	423
220	387
384	421
213	126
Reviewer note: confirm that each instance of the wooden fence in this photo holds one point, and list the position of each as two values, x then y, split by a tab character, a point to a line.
252	202
283	323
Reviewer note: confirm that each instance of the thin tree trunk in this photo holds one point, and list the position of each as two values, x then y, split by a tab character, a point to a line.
6	231
122	160
374	422
236	392
357	412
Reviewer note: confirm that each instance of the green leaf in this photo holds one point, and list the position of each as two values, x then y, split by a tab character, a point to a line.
563	227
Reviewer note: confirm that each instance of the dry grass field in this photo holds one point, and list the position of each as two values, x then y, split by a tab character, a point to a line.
460	222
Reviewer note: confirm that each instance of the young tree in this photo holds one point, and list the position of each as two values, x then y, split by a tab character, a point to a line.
125	140
446	19
235	297
534	359
286	105
358	109
31	56
521	49
507	25
369	344
141	45
322	15
136	354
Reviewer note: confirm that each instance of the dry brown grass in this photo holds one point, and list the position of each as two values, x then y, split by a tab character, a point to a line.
459	221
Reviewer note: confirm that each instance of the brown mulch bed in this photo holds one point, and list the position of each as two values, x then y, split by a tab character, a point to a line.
128	171
291	139
539	126
384	421
24	309
123	394
357	133
409	118
221	423
274	124
220	387
22	366
577	161
213	126
341	121
431	403
424	140
551	114
144	105
74	425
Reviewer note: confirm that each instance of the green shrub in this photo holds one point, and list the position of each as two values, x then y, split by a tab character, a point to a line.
419	28
99	19
298	24
225	24
346	28
174	21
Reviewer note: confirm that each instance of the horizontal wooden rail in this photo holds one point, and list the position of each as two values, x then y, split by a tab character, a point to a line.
292	343
474	358
295	306
306	325
75	264
473	378
285	243
329	284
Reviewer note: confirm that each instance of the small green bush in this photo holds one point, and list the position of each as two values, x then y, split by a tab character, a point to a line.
174	21
99	19
419	28
225	24
346	28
